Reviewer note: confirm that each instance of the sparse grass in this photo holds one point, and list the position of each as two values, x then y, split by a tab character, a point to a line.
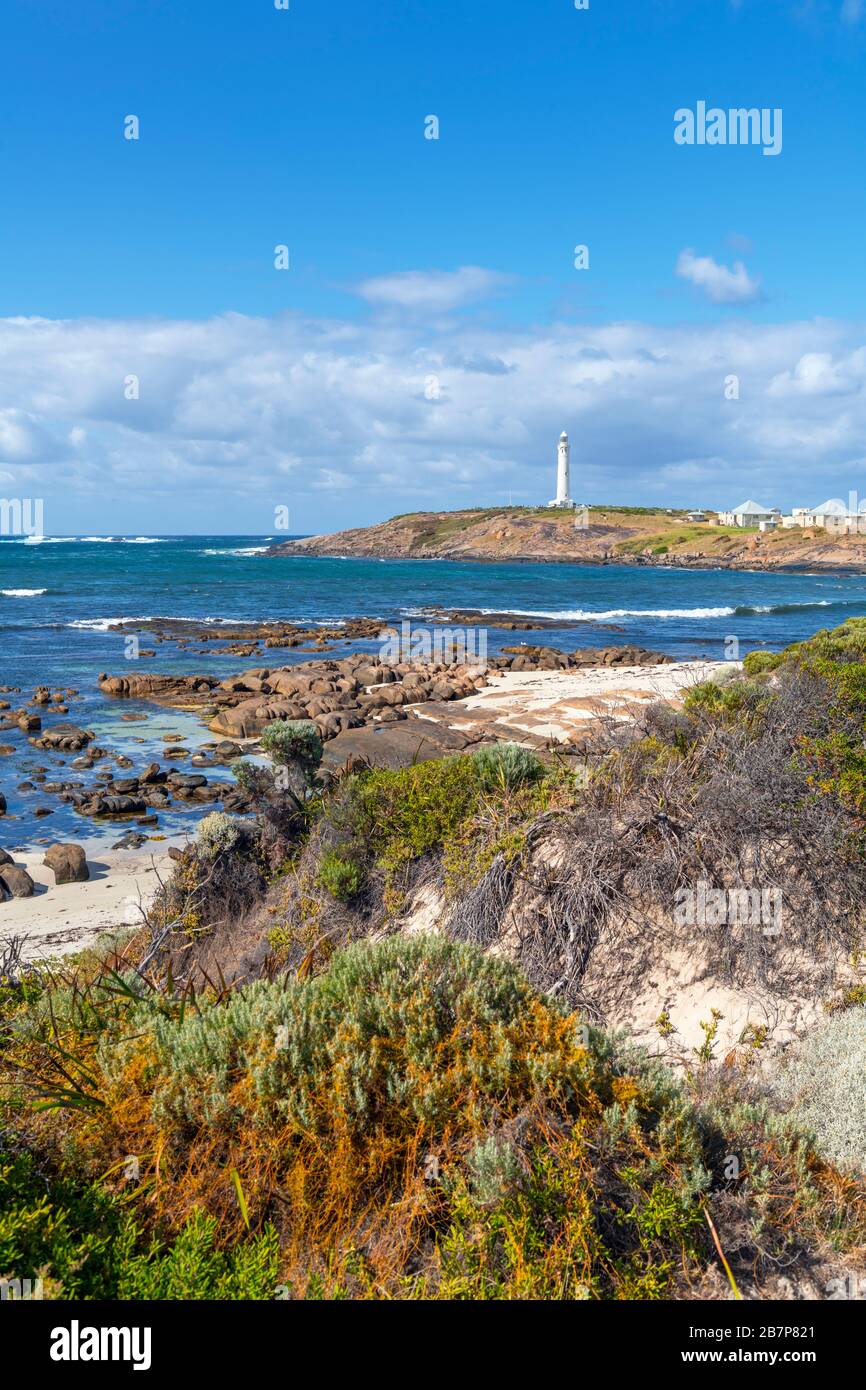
677	535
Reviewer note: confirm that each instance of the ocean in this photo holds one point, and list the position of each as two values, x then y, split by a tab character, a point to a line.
59	595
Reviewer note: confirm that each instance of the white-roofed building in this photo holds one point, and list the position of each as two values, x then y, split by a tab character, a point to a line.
748	513
833	515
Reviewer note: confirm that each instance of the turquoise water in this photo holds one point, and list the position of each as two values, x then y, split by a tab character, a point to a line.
58	596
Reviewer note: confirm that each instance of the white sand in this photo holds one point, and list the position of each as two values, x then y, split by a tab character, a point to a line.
63	918
561	704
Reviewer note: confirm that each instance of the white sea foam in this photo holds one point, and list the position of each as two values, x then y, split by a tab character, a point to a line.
586	615
22	593
103	624
244	550
47	540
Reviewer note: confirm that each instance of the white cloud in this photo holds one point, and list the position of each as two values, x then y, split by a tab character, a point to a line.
817	374
717	282
22	437
433	291
237	415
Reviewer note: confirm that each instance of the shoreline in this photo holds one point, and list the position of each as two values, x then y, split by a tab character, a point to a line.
676	562
62	919
532	706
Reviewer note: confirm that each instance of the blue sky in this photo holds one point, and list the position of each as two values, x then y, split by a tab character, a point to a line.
414	258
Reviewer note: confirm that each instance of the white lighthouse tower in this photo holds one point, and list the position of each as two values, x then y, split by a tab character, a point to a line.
562	498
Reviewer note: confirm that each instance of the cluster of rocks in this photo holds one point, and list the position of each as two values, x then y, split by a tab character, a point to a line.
342	695
348	700
337	695
25	717
68	862
243	639
526	658
144	794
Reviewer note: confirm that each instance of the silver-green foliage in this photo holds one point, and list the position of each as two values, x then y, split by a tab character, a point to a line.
402	997
823	1084
217	833
293	741
494	1168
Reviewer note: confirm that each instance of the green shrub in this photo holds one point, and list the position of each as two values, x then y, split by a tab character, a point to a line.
502	766
735	698
84	1243
380	1014
568	1164
494	1168
758	663
342	877
399	815
294	741
246	774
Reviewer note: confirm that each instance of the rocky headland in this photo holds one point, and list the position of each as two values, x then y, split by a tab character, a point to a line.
620	536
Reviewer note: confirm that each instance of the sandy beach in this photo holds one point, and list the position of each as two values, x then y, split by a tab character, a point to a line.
63	918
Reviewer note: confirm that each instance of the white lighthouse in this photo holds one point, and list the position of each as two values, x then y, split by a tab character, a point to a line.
562	498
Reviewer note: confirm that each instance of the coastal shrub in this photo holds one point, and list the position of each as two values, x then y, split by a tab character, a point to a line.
823	1086
382	1022
733	699
398	815
502	766
387	820
58	1230
217	879
829	748
421	1093
249	776
493	1167
342	878
218	833
82	1242
342	1089
294	742
759	663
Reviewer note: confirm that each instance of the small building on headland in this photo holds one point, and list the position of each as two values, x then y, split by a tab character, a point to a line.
833	516
749	514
